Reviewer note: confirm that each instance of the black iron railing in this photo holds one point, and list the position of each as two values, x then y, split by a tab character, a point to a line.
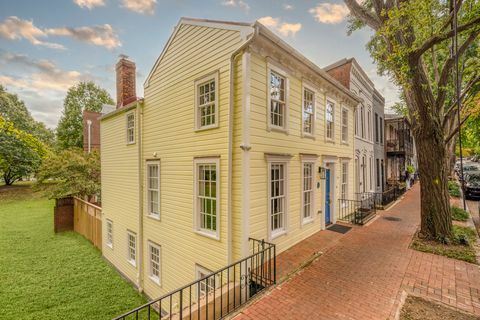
357	211
218	294
383	199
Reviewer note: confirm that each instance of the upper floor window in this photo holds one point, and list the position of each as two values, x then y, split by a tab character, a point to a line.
308	111
206	102
344	125
207	203
376	127
381	130
362	122
153	188
277	100
369	125
131	128
329	116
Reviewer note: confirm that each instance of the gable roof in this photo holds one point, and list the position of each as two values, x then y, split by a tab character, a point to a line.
247	29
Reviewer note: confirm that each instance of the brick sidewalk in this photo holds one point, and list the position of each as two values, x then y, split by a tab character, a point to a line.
364	273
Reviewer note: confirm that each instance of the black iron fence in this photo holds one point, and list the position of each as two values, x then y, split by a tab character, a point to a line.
382	199
217	294
357	211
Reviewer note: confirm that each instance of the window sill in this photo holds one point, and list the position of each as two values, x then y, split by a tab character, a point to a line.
306	221
207	234
277	233
153	217
308	135
345	143
133	263
277	129
130	143
205	128
155	280
328	140
109	245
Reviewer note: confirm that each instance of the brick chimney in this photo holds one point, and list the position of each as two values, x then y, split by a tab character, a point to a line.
126	87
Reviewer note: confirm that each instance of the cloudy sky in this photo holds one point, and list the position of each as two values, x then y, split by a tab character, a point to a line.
47	46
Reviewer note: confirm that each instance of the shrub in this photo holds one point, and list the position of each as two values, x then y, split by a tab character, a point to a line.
459	214
453	189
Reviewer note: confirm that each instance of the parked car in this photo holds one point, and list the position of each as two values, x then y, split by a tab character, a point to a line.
472	185
467	167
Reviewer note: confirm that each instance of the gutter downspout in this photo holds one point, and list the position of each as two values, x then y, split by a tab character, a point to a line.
139	108
230	142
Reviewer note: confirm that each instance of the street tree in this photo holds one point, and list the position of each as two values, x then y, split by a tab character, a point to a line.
409	41
20	153
83	96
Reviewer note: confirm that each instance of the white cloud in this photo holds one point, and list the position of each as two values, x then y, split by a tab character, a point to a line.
285	29
236	4
89	4
287	6
101	35
140	6
14	28
330	13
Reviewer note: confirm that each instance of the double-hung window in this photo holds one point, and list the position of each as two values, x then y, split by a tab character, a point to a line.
277	197
308	111
207	201
109	234
344	186
130	128
132	248
206	102
344	125
376	127
329	117
153	188
278	102
154	265
307	191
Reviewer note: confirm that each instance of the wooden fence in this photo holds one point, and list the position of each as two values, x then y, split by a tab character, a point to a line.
88	221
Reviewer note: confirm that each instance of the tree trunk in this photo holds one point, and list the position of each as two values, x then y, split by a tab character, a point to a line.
436	219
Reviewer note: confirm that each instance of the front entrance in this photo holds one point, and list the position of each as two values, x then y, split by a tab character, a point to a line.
328	202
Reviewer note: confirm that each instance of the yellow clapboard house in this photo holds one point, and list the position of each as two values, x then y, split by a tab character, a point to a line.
238	135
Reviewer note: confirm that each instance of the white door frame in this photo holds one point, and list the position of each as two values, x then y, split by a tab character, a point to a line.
332	162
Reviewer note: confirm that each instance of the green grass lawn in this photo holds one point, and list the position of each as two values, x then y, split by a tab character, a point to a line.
53	276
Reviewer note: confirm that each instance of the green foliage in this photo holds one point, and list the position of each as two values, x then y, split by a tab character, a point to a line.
410	169
20	152
453	189
73	172
459	214
13	109
53	276
83	96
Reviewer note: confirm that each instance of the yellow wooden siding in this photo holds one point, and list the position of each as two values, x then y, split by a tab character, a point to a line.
120	202
169	131
292	143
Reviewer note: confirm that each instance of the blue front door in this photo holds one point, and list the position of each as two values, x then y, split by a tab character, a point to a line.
327	196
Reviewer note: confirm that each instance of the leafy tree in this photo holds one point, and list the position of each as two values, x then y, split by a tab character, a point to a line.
13	109
70	172
410	43
20	152
83	96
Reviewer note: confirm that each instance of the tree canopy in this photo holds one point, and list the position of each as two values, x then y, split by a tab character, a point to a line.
83	96
20	154
13	109
72	171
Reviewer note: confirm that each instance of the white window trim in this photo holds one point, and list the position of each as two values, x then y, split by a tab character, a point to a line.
285	160
157	280
109	244
200	269
212	76
329	99
344	124
147	209
197	229
306	86
276	69
311	160
134	126
132	262
341	180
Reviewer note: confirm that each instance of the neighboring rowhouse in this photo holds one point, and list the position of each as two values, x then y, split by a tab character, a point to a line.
399	147
369	150
228	143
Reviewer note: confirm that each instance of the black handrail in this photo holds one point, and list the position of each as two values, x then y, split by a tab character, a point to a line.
357	211
227	288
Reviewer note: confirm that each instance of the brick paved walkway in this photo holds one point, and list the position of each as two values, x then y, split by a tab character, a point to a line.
363	275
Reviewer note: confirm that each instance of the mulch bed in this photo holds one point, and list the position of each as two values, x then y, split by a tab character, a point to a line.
419	309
